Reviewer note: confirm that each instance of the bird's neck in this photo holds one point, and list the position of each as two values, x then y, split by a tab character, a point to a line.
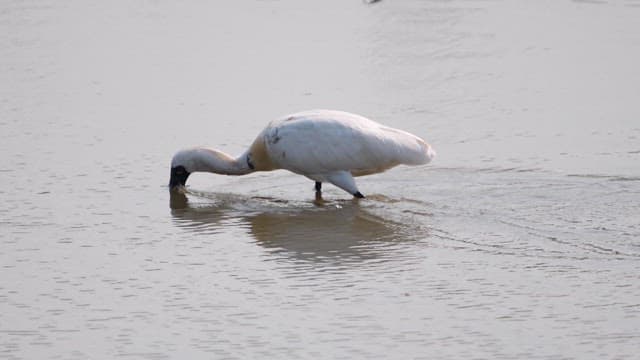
215	161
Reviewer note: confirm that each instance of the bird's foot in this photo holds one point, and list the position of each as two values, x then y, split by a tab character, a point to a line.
319	200
358	195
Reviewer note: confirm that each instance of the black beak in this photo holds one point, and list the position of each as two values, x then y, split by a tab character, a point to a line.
179	177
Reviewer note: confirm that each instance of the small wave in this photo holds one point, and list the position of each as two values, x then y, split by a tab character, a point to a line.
489	169
321	232
606	177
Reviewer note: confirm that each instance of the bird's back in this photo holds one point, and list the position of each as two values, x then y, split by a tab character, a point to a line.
322	141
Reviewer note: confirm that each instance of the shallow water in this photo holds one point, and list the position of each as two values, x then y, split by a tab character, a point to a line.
522	239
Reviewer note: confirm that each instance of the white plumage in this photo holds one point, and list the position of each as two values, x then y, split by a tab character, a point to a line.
323	145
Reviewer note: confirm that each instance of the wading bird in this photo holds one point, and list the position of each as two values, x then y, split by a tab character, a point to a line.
323	145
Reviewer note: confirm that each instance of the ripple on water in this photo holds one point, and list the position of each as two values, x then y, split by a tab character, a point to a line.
538	214
336	232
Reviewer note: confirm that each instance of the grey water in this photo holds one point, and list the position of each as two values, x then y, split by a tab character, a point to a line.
520	241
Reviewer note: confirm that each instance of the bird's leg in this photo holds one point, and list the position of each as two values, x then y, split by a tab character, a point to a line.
319	192
344	180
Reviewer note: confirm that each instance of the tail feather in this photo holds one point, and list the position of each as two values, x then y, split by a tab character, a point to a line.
431	154
424	155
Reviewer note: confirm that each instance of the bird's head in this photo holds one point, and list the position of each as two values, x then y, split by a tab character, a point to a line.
182	165
179	176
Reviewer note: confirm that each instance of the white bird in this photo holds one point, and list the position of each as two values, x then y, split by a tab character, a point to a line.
323	145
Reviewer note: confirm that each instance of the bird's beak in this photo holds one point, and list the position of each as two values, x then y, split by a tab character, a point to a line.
179	177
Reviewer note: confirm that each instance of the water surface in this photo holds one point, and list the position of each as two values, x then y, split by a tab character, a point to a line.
520	241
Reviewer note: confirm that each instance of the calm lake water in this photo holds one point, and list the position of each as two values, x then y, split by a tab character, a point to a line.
520	241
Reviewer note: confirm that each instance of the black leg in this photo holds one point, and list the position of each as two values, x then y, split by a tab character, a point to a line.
358	195
319	200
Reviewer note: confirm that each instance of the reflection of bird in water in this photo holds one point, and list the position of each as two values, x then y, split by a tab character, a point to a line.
323	145
335	231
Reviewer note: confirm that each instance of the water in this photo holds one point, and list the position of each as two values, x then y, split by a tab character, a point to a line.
522	239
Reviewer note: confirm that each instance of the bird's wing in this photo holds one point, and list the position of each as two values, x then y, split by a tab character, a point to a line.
319	143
